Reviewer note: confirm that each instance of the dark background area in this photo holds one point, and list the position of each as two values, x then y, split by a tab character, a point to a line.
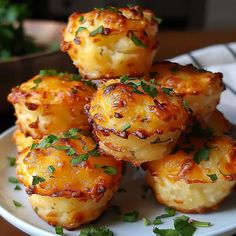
176	14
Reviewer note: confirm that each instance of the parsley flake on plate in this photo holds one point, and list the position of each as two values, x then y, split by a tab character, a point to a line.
13	180
131	216
17	204
11	161
96	231
59	230
18	187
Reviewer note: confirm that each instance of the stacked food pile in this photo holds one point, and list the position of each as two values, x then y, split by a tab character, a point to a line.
160	116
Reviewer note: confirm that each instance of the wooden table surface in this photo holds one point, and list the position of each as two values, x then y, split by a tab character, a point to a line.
173	43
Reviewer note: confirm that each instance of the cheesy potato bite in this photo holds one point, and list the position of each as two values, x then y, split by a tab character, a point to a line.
201	89
69	183
197	177
21	140
112	42
136	120
218	123
50	102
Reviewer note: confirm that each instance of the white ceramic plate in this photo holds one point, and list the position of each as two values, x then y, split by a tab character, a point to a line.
223	220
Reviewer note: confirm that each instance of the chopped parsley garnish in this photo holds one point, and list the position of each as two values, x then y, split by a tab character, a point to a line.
72	133
183	226
81	28
113	9
197	223
134	82
36	81
12	161
157	19
47	142
146	221
167	90
137	41
185	103
96	231
97	31
157	221
18	187
51	169
94	152
169	213
81	18
174	69
149	89
202	155
77	159
17	204
124	79
213	177
48	72
59	230
110	170
131	216
125	127
158	140
13	180
33	146
71	151
37	179
108	8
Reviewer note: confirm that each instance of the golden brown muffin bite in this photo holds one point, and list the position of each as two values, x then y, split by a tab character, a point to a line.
21	140
200	88
69	183
218	123
197	177
50	102
111	42
136	120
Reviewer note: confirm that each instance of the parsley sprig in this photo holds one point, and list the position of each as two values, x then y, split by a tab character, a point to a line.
136	83
110	170
77	159
137	41
12	161
202	154
130	216
95	230
183	226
